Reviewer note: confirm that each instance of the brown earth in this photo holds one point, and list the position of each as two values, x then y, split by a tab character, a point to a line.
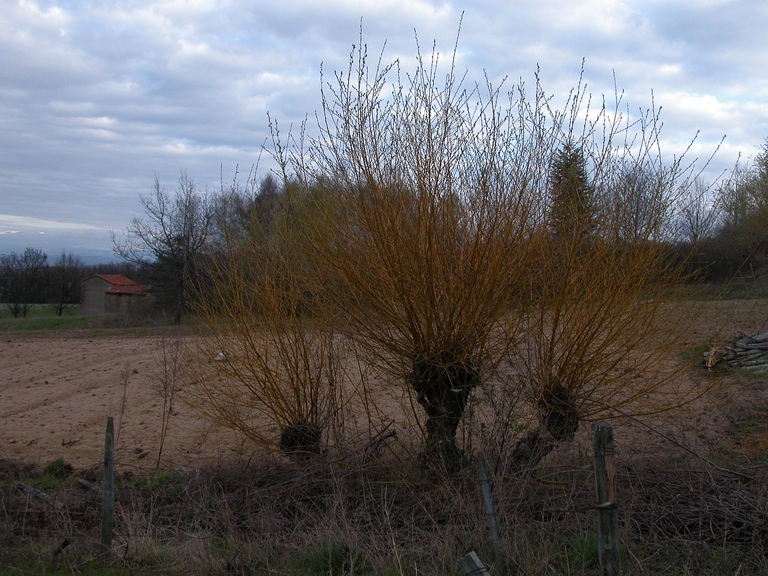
58	388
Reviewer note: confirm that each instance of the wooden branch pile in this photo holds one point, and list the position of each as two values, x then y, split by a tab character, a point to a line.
748	353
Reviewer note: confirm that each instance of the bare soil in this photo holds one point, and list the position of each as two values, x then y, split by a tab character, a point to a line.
58	388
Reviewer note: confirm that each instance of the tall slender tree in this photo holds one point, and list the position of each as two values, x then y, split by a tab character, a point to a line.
571	194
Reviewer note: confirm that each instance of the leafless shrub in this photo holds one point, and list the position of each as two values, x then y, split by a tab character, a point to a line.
698	214
167	377
433	207
268	357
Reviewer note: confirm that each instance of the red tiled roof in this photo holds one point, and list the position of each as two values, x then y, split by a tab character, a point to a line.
133	289
116	279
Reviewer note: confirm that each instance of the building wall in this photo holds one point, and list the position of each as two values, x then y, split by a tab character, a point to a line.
93	297
122	303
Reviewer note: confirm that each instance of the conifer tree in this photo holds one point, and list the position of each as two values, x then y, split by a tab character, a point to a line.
571	193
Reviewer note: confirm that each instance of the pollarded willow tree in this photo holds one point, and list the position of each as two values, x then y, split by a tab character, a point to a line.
429	223
607	310
268	358
439	230
435	230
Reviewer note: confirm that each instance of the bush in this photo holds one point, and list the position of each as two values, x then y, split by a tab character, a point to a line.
429	223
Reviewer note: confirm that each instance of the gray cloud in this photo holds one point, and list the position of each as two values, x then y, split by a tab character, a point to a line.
97	98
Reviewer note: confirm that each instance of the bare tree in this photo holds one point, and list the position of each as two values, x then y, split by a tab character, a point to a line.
23	280
65	276
427	238
742	210
697	216
170	238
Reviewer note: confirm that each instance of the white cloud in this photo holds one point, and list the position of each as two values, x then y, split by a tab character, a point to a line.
25	222
96	98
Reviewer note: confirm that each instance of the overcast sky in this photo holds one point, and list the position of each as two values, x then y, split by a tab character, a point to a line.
98	98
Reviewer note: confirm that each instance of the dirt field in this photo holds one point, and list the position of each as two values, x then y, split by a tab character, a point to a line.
58	388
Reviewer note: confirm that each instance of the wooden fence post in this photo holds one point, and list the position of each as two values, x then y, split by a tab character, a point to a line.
607	517
493	527
472	566
108	489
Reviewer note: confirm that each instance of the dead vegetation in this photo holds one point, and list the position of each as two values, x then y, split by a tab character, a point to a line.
277	518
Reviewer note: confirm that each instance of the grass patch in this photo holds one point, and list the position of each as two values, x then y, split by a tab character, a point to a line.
54	323
42	317
578	553
50	477
41	311
330	558
166	482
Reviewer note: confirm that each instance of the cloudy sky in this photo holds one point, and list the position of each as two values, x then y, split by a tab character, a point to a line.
98	98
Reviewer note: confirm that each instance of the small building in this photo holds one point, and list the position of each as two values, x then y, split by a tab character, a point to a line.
111	294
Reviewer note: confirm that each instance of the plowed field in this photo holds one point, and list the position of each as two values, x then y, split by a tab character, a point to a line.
57	389
56	392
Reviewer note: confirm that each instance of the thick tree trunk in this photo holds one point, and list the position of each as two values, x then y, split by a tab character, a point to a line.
558	412
300	441
560	420
443	391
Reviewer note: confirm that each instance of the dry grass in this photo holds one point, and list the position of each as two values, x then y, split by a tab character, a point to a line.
276	518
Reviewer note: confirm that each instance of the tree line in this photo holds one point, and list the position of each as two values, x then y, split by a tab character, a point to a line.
720	230
724	227
729	229
29	279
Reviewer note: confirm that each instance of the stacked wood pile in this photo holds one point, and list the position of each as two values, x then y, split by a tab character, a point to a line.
748	353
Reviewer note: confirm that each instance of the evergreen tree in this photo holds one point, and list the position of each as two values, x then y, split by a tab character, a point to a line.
572	210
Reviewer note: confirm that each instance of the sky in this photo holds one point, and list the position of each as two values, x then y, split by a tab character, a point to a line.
97	99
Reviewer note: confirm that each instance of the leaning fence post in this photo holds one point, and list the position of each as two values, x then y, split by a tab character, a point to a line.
108	488
607	517
472	566
493	527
